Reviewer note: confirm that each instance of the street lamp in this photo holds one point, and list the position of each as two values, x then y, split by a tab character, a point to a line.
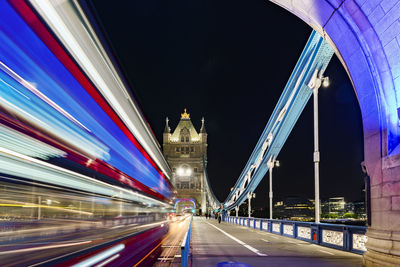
250	196
315	83
271	164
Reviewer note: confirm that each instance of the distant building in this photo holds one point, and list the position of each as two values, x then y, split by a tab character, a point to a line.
360	209
294	208
297	208
337	205
184	150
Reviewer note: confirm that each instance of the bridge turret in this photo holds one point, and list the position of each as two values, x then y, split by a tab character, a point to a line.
203	137
167	132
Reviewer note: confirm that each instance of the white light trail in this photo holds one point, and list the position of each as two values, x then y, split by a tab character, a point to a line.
100	256
39	94
20	165
23	250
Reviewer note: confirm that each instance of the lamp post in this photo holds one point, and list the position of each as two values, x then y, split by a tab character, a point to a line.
250	196
315	83
271	164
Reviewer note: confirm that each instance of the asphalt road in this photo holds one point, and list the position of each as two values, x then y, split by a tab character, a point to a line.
213	243
171	246
45	246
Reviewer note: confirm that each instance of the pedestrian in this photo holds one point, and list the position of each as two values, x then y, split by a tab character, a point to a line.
219	217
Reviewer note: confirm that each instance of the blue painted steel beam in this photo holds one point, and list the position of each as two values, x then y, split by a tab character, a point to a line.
314	59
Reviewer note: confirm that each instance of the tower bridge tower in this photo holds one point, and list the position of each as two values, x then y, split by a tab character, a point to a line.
184	150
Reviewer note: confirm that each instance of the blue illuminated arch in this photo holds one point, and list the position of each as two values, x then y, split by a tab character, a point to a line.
184	199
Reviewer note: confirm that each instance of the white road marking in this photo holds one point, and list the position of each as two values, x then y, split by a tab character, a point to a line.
274	237
265	240
239	241
330	253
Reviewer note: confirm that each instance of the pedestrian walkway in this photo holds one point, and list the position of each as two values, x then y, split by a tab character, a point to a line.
213	243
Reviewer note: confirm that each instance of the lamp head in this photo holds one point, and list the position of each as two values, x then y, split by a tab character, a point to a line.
325	82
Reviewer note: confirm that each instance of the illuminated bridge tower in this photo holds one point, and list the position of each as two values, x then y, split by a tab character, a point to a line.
184	150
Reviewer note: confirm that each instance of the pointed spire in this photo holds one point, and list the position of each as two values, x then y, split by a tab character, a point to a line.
203	128
185	115
167	129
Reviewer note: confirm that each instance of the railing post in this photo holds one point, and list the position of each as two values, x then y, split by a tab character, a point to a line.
346	239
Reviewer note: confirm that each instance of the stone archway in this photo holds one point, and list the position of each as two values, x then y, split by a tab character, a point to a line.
365	35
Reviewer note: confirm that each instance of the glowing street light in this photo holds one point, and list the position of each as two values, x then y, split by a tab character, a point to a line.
315	83
271	164
250	196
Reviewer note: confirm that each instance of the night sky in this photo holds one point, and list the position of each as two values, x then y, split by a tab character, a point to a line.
229	62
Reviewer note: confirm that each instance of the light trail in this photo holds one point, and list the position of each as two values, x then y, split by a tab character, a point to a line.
148	254
42	96
43	247
100	256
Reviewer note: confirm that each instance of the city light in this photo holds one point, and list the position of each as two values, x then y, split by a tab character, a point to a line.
184	171
180	171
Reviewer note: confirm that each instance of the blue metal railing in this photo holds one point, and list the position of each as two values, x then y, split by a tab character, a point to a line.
185	247
344	237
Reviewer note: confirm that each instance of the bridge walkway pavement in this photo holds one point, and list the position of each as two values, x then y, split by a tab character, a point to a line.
213	243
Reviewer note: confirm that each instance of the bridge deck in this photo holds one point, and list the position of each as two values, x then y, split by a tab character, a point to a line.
213	243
